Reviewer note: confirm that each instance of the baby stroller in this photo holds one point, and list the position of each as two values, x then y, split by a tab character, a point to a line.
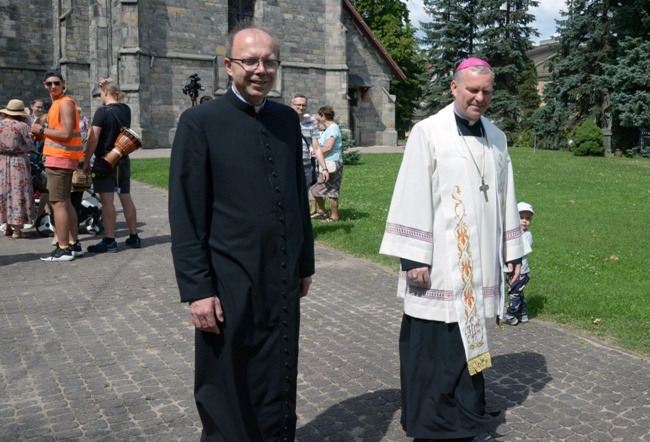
89	214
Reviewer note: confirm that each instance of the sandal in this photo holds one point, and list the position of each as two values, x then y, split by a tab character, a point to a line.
330	220
319	215
9	230
19	235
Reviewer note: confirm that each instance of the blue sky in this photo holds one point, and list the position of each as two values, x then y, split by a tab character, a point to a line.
545	13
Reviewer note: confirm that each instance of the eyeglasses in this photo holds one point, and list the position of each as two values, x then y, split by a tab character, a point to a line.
299	105
50	83
250	64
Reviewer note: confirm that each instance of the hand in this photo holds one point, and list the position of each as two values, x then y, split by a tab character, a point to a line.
304	286
205	313
419	277
35	128
513	272
86	167
326	175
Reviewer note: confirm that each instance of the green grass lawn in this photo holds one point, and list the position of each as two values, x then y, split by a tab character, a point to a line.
590	255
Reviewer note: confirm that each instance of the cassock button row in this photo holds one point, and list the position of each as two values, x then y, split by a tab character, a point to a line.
284	264
270	159
284	280
286	338
268	146
273	174
281	219
280	205
277	189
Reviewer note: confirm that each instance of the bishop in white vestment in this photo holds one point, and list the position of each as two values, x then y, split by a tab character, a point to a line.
454	224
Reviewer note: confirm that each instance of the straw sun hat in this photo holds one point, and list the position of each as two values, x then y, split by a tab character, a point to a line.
15	108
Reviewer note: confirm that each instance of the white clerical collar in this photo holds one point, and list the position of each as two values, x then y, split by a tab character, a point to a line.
470	122
258	107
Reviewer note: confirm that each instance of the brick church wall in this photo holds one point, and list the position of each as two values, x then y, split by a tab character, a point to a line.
152	47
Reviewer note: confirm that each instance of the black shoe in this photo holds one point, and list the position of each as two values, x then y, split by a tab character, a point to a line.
77	251
485	437
133	241
59	255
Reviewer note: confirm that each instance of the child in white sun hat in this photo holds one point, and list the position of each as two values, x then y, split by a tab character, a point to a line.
516	312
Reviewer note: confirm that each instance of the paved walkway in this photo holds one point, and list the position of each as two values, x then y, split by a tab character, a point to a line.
100	349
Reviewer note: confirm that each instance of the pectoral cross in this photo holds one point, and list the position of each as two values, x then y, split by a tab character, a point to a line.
484	188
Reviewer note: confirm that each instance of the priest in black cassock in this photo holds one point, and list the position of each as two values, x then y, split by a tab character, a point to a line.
242	246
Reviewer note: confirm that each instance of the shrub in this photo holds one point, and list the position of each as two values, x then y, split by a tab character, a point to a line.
523	138
588	140
349	156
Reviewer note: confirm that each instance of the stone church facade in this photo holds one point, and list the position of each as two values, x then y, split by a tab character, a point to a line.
151	48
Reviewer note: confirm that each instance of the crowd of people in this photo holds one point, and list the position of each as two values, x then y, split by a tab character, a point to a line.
44	146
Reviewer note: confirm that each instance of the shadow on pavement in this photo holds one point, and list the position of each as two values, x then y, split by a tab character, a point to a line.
366	417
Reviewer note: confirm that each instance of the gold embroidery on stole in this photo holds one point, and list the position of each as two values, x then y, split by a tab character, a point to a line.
471	324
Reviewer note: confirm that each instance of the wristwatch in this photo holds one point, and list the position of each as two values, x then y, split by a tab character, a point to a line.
41	130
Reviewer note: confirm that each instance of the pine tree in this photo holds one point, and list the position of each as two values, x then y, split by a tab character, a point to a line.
505	36
627	81
389	21
449	37
585	44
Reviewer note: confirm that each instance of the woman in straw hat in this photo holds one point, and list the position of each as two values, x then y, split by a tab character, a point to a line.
16	192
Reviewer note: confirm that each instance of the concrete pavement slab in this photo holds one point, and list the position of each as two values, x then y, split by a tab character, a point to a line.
100	349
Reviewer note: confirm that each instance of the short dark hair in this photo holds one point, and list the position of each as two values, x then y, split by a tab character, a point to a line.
327	112
299	96
53	73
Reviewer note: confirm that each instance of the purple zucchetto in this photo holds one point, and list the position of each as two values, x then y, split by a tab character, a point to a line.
471	62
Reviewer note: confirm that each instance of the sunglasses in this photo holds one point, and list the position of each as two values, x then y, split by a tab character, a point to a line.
50	83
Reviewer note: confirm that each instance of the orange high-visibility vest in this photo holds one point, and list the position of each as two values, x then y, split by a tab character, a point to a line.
72	148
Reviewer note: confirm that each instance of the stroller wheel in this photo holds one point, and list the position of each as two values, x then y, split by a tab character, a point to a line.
92	226
44	225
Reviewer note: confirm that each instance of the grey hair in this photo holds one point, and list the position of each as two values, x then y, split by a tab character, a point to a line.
477	69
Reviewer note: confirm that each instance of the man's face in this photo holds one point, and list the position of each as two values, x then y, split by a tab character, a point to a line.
300	105
472	93
254	84
55	86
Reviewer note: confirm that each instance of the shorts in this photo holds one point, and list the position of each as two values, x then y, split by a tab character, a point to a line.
118	180
59	183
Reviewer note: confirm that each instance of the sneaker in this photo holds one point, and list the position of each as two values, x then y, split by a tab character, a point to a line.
59	254
133	241
511	321
523	318
77	251
102	247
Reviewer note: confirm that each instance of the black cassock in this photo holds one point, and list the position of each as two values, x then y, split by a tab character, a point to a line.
241	230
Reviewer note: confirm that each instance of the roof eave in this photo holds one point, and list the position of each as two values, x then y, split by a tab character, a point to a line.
373	38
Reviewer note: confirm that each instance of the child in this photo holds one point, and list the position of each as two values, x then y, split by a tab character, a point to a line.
516	312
